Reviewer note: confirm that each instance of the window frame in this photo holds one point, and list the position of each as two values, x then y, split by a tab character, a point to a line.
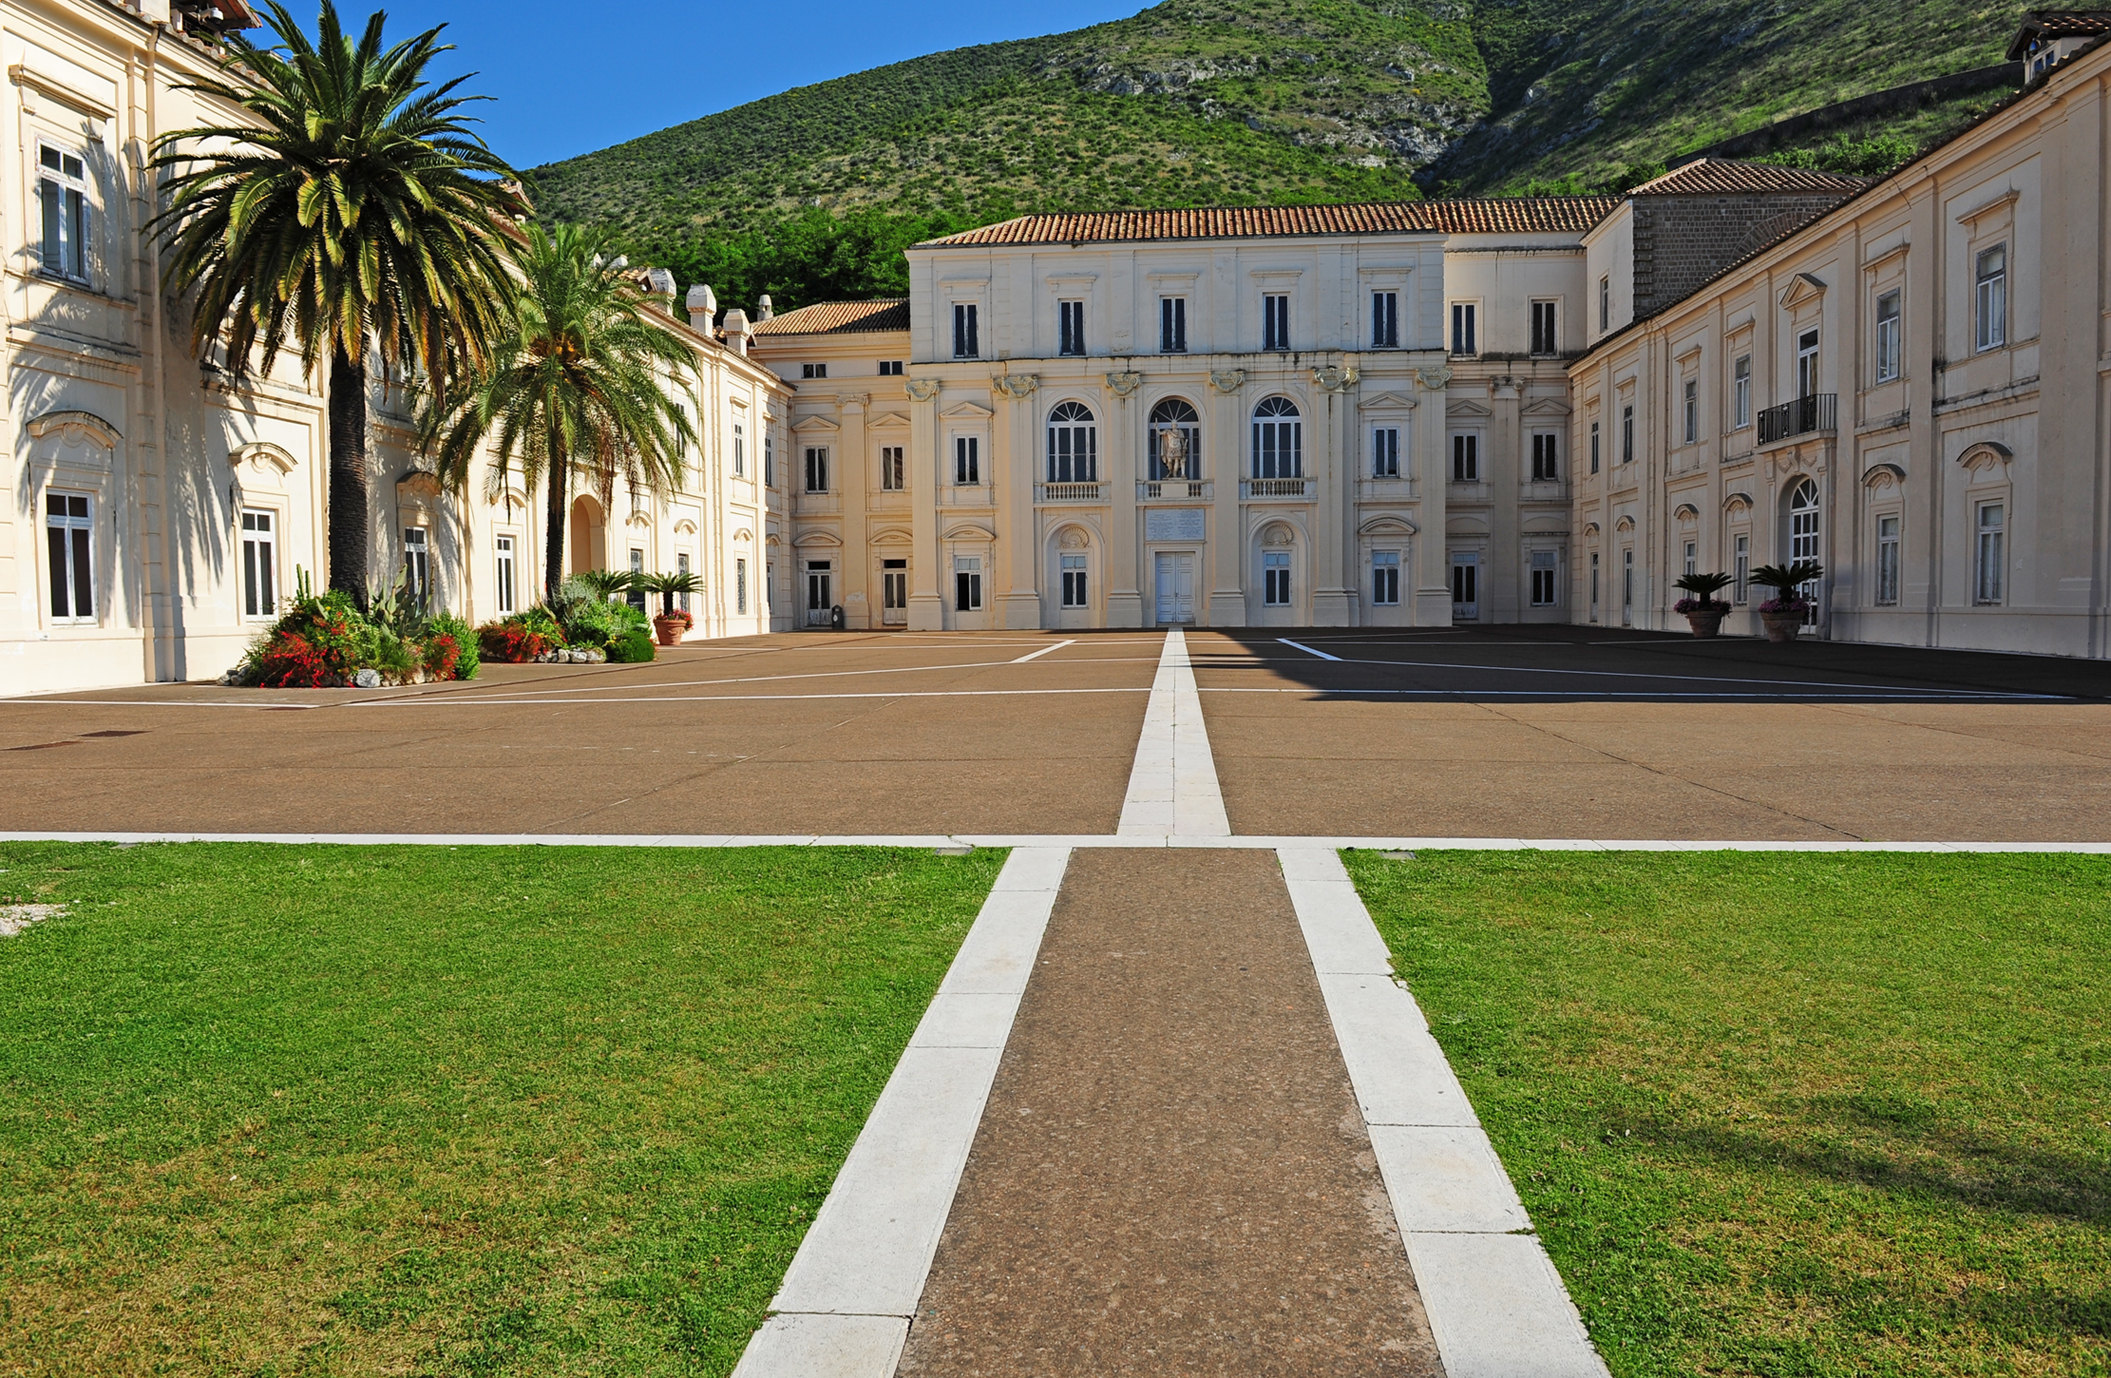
813	371
967	330
1385	578
1172	325
1070	328
1278	438
417	566
69	544
1627	433
894	469
740	586
1465	330
1073	443
1275	322
248	608
1990	299
1385	451
816	469
1546	457
505	573
967	461
967	583
1889	547
1546	338
1990	552
1275	579
1545	563
740	449
1385	318
1741	392
1074	576
1605	302
76	214
1690	410
1465	456
1889	338
1595	447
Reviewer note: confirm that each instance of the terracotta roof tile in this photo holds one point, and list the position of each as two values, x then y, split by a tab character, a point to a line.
2039	25
1735	177
839	318
1488	215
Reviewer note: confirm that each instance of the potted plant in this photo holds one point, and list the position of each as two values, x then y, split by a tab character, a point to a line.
1783	614
671	623
1704	611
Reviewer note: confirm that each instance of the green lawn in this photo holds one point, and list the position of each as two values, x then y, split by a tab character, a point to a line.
322	1110
1789	1114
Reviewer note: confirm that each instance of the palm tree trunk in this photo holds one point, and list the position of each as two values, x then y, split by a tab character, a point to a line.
351	529
553	542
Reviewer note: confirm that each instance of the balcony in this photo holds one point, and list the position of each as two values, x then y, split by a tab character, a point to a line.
1276	489
1175	490
1070	492
1816	414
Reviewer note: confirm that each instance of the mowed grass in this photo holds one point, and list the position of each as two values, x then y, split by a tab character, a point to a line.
1785	1114
338	1110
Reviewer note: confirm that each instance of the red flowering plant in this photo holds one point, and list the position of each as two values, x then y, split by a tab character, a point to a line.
521	637
316	645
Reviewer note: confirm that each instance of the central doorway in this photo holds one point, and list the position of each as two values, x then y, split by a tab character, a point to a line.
894	593
1465	586
1175	583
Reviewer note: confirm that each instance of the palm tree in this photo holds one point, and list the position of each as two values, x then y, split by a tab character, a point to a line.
584	387
350	209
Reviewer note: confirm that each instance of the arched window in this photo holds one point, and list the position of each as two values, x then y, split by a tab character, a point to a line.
1803	537
1278	439
1073	445
1175	439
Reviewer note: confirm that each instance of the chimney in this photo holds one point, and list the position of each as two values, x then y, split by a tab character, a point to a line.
763	310
703	307
737	330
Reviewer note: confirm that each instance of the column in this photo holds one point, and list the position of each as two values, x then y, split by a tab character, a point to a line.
1333	587
1432	559
1223	442
1502	575
1123	441
1012	478
926	579
854	479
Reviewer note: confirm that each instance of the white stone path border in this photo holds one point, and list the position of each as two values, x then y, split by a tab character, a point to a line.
1173	784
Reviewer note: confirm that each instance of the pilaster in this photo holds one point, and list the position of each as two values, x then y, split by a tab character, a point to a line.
927	608
1125	421
854	475
1431	558
1011	476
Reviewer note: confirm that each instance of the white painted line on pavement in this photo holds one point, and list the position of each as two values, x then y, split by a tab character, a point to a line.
1306	649
1495	1304
1044	651
1173	789
847	1300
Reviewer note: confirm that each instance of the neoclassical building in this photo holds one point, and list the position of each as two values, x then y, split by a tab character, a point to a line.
1291	416
1909	386
154	514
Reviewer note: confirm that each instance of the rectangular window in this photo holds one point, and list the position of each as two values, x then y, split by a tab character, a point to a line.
1544	469
1385	320
502	554
894	588
967	343
817	468
1627	434
681	566
1073	581
1544	340
890	368
1275	320
1691	548
740	587
1887	337
967	583
1693	410
1742	569
769	461
820	591
1807	363
1741	390
1385	452
967	460
813	370
259	565
1627	587
1070	327
1172	325
1545	565
1463	335
1594	586
634	595
1990	555
894	474
417	567
1466	459
63	188
1605	303
1594	447
1990	298
1275	579
740	449
1385	578
1887	559
69	528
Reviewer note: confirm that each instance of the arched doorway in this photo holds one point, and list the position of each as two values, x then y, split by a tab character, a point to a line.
587	542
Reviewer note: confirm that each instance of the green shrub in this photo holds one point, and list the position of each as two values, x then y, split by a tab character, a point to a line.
631	647
597	622
450	648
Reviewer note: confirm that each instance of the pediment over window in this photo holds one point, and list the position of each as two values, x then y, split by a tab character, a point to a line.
967	411
743	537
1624	524
75	427
969	531
807	540
892	535
685	527
1735	502
888	421
1686	512
1546	524
1802	288
1465	407
1884	475
1387	401
1546	406
509	499
1590	529
260	454
1989	455
813	425
1466	524
420	485
1388	524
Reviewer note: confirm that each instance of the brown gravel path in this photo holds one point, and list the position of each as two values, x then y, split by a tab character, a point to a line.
1171	1176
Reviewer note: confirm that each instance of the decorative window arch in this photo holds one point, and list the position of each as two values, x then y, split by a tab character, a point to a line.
1175	438
1073	444
1278	439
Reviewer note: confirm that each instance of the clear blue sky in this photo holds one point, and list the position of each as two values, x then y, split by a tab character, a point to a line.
571	78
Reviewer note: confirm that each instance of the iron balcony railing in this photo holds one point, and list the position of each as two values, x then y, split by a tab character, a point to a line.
1818	412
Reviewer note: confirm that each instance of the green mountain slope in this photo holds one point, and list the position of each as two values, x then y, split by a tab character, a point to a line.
1198	102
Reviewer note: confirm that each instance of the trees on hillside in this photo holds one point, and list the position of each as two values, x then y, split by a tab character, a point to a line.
348	210
581	386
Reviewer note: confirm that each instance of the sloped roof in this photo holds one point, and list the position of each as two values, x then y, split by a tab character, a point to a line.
839	318
1736	177
2043	24
1483	215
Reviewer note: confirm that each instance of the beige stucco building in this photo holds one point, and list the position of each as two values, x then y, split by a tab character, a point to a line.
1909	388
153	514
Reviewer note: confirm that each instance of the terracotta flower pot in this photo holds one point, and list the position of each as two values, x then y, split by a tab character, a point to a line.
669	629
1705	623
1782	626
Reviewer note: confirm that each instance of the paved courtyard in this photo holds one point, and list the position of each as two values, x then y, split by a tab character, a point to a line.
1553	732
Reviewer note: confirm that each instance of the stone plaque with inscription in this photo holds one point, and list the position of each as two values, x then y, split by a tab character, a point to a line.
1173	524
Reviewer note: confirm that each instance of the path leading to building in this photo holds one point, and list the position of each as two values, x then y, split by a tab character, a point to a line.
1171	1175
